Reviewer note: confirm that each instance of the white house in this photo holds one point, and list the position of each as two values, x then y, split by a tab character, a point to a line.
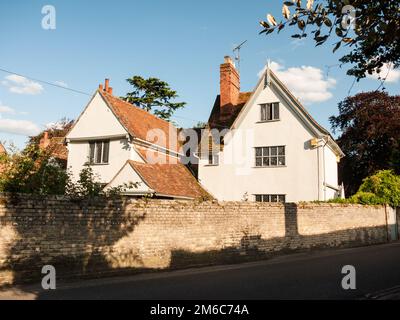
123	143
264	145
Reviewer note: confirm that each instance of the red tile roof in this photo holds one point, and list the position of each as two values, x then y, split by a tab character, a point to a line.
139	122
153	156
57	148
169	179
224	120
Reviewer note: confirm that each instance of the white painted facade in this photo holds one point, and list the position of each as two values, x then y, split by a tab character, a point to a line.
128	175
310	173
98	122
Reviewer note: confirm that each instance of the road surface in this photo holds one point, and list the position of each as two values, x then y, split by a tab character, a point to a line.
310	275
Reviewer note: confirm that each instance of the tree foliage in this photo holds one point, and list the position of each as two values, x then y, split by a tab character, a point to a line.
31	171
373	42
59	129
369	124
34	171
380	188
153	95
88	186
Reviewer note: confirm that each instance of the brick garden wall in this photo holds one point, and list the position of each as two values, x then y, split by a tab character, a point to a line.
104	237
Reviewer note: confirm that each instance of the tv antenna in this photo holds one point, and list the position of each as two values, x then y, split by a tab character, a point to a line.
236	53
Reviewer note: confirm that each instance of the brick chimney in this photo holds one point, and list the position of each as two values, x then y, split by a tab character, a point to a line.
229	84
45	141
107	87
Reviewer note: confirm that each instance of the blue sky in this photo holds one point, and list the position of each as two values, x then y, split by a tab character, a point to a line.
181	42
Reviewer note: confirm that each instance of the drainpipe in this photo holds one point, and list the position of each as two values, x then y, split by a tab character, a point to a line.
318	185
323	156
323	166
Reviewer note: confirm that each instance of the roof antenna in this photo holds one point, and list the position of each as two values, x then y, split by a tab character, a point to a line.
236	53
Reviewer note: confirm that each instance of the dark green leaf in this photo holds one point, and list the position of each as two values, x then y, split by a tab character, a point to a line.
339	32
328	22
337	46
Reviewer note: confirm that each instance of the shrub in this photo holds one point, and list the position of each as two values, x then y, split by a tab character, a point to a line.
31	171
34	171
89	185
381	188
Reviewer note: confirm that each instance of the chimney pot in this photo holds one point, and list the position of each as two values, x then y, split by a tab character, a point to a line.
45	141
101	87
110	90
228	59
106	85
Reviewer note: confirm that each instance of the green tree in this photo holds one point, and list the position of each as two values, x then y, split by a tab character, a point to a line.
32	171
153	95
59	129
374	40
369	127
380	188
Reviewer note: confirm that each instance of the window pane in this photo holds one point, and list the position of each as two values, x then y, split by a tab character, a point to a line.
281	151
274	161
210	159
265	161
265	198
270	111
91	152
216	159
263	112
274	198
281	198
265	152
258	152
98	152
258	198
276	111
274	151
258	162
106	148
281	161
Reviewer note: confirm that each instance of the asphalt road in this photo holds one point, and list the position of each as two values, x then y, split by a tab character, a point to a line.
311	275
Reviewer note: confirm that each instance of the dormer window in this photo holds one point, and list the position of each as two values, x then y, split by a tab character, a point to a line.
269	111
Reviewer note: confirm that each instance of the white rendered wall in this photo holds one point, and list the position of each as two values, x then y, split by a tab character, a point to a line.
298	180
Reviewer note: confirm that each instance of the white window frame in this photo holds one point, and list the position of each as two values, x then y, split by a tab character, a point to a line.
270	112
270	156
103	154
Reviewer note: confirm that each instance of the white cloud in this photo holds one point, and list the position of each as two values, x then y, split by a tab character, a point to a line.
19	127
307	83
61	84
21	85
391	75
6	109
